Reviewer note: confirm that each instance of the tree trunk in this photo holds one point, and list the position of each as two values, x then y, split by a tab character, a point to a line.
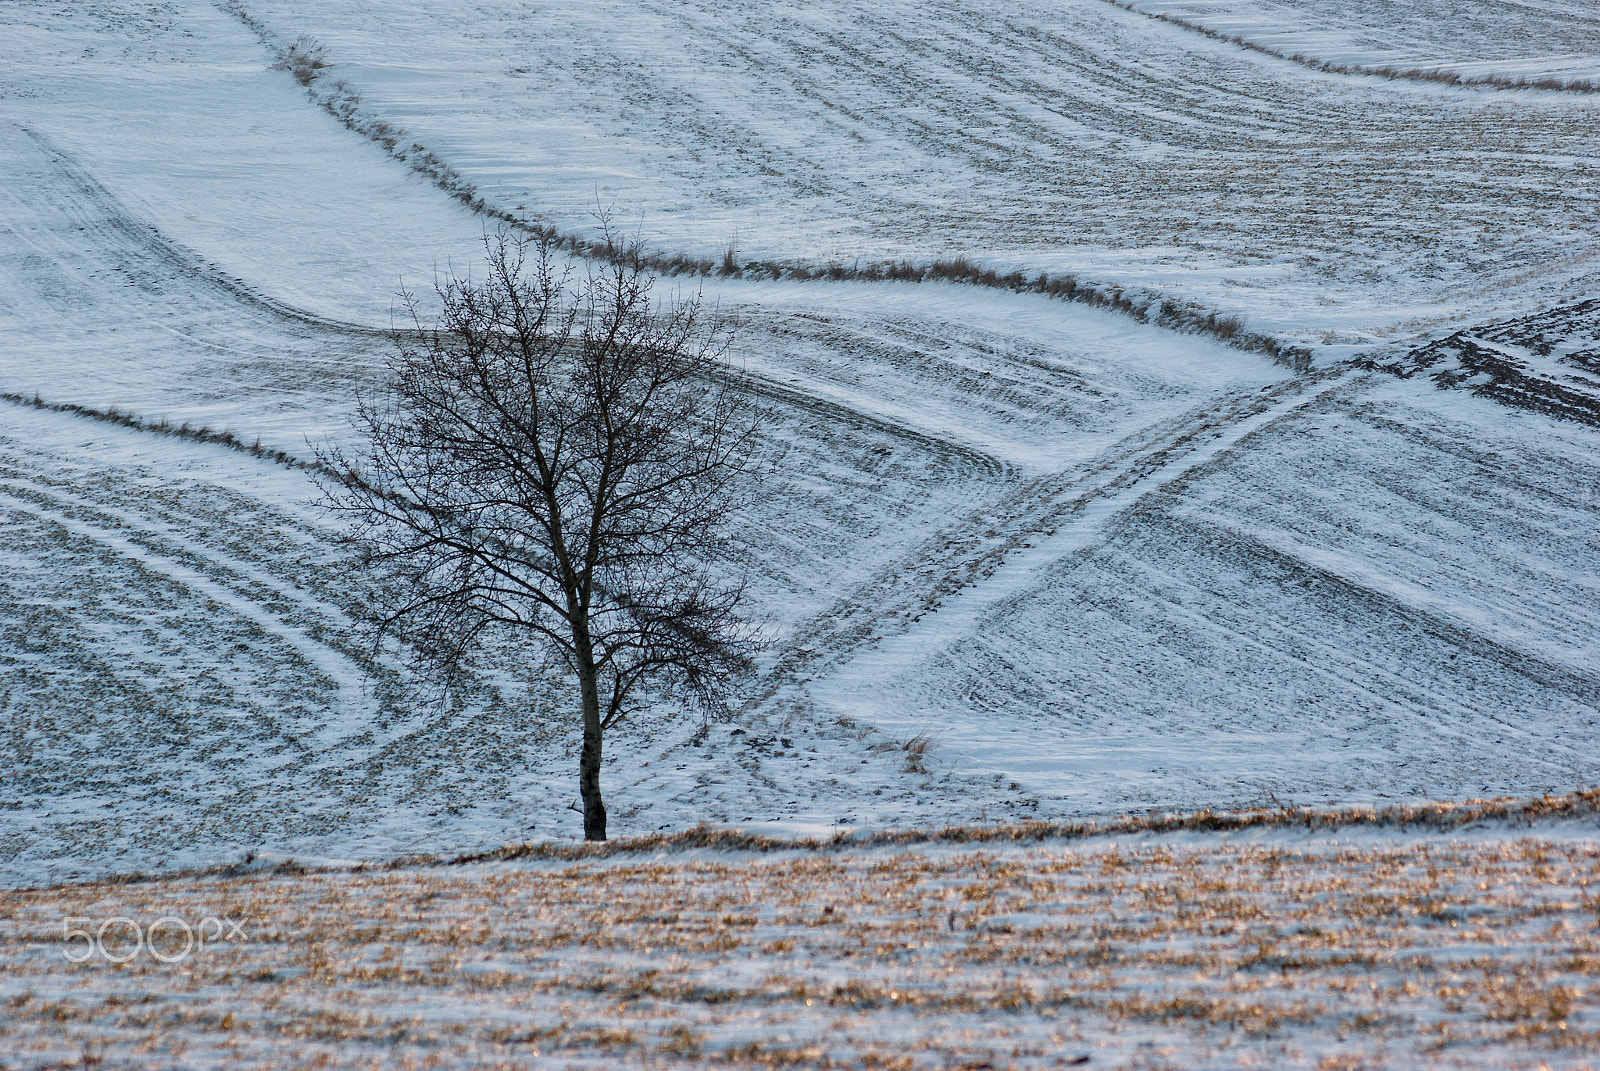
594	809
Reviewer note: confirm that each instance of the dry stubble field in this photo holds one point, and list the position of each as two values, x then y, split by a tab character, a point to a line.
1352	945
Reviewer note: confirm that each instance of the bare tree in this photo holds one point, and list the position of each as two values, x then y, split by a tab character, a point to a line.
557	459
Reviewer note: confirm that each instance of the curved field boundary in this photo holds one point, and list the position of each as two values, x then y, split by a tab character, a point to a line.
1409	74
170	260
770	391
202	434
308	62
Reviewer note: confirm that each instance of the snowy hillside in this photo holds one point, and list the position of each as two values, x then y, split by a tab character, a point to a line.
1044	136
1546	43
1023	557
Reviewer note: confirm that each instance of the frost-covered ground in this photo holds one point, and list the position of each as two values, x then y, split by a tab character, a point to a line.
1477	39
1053	136
1289	950
1021	558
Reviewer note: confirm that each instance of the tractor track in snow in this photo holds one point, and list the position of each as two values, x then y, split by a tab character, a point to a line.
972	551
233	586
149	258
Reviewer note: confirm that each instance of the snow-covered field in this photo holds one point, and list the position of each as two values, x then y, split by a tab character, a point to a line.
1543	40
1046	135
1022	557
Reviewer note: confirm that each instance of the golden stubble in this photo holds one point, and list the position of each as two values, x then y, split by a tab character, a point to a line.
1316	956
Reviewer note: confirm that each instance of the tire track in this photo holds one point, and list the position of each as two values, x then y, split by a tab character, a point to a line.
160	549
150	258
1059	511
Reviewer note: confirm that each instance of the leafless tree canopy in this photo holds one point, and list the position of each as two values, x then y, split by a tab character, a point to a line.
557	458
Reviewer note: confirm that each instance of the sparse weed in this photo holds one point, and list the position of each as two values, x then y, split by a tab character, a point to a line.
916	750
305	58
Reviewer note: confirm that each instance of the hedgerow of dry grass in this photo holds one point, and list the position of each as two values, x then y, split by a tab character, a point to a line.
1421	817
308	61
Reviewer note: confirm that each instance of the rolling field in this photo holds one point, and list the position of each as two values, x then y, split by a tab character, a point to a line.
1020	558
1091	638
1075	137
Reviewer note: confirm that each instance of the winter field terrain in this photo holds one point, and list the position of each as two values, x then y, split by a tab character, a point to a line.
1543	44
1076	137
1282	946
1172	406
